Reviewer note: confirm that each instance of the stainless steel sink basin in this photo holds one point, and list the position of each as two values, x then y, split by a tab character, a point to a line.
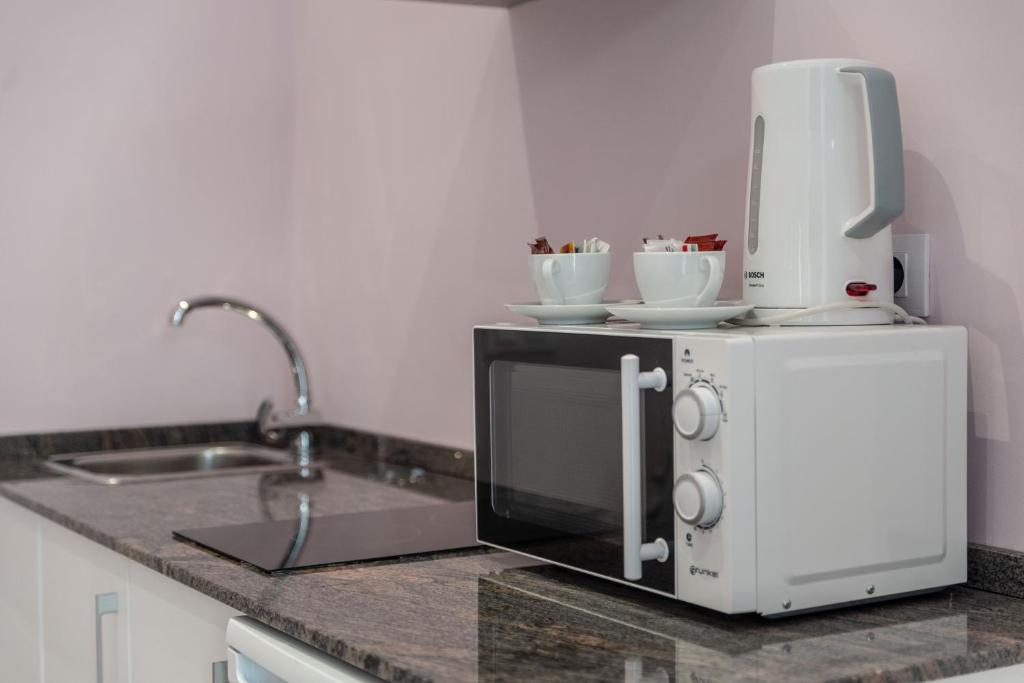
179	462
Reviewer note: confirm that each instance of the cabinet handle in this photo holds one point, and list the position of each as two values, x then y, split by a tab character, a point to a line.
634	550
106	603
220	672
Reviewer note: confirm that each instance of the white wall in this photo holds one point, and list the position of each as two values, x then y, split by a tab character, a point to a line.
411	206
355	166
144	156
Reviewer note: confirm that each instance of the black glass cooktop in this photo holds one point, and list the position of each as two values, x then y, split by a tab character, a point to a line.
286	545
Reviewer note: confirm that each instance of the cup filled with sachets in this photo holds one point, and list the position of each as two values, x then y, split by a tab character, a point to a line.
570	282
679	281
577	273
680	273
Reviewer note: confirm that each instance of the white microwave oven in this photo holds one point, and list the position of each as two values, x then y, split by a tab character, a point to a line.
768	470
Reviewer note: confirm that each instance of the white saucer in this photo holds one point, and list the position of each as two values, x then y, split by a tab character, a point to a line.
567	314
680	318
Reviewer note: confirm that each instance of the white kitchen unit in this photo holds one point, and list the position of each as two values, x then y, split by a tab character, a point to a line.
19	594
96	616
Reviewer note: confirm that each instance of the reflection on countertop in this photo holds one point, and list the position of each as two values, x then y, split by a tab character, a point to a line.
605	633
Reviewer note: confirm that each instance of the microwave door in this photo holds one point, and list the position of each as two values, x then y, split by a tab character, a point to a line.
554	431
554	480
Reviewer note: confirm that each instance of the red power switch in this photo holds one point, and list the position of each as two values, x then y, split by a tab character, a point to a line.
860	288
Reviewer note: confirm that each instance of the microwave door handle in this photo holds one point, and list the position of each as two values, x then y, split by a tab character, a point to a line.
634	551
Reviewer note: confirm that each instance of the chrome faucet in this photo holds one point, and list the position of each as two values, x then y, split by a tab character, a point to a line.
271	424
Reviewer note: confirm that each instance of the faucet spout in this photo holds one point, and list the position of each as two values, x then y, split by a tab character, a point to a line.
298	365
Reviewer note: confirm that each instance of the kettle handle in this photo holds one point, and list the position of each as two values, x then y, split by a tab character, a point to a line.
885	150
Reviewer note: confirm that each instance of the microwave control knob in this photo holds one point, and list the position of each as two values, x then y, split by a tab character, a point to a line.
697	411
698	498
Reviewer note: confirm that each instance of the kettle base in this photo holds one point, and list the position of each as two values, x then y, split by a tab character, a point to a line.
851	316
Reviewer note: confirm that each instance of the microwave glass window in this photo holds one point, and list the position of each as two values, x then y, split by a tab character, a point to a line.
556	437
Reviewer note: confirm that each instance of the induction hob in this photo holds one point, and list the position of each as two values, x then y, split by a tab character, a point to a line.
287	545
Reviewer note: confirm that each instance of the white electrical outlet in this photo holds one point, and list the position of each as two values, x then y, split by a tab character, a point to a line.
910	253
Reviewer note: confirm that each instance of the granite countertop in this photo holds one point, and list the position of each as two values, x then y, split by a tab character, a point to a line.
494	616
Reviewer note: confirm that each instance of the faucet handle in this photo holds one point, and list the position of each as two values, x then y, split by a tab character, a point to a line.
266	407
264	418
272	425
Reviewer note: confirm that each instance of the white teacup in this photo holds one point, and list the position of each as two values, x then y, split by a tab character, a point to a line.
686	279
570	278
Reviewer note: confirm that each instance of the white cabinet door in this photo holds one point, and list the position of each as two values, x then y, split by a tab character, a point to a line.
84	609
19	594
177	633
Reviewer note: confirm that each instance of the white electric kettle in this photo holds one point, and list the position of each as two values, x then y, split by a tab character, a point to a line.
826	181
